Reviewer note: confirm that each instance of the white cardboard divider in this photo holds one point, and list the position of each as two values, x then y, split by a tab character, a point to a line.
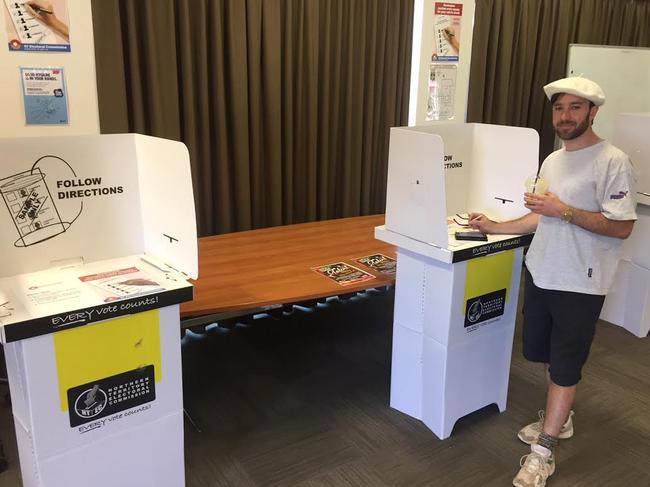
79	212
436	172
631	136
628	303
440	170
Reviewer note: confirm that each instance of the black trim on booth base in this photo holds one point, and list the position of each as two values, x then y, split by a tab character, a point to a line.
491	248
85	316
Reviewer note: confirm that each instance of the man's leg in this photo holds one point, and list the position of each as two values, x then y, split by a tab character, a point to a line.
570	340
558	406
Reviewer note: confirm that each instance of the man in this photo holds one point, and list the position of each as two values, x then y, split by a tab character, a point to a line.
579	225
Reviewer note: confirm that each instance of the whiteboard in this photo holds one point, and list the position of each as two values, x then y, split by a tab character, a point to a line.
622	72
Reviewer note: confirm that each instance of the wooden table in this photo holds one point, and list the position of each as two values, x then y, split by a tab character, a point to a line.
247	271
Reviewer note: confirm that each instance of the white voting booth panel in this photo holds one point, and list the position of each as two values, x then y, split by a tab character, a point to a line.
455	301
628	302
98	241
439	170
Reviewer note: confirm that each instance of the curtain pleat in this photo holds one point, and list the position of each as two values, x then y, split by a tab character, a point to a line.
284	105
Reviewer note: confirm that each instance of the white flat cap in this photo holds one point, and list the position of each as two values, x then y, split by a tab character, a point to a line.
578	86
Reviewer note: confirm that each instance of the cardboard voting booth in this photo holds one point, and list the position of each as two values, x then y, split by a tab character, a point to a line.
97	241
628	302
456	300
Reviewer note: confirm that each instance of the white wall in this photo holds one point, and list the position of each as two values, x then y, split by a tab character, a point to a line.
79	72
423	42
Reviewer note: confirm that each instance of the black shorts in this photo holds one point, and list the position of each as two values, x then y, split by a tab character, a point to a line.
559	327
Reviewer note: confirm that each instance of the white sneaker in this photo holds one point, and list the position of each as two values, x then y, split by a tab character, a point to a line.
529	434
534	471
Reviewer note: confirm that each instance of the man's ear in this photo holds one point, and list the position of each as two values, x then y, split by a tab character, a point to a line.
592	113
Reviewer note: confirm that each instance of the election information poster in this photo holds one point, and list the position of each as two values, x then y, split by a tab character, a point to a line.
44	96
446	31
37	25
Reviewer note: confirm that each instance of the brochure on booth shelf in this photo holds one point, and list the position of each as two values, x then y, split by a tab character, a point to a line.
57	299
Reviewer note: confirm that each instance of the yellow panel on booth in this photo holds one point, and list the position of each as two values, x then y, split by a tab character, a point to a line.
107	349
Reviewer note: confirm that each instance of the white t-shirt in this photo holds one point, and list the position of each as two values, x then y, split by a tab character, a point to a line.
563	256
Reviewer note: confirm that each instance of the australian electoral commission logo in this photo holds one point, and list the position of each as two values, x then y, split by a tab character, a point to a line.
105	397
485	307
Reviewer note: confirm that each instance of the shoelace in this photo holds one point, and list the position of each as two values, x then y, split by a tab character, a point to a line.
539	424
533	463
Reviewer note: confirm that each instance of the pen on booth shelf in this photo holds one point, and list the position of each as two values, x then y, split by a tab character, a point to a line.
154	265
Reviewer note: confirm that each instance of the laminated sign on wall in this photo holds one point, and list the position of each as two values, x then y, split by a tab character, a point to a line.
446	31
45	96
37	25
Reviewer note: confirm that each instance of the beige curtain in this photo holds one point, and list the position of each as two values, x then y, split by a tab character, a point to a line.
520	45
285	105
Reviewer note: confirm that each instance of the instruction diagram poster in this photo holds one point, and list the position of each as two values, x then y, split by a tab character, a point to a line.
442	87
37	25
447	20
44	96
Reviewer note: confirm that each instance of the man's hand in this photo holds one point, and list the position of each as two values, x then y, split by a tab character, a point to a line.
519	226
451	35
481	223
547	204
43	11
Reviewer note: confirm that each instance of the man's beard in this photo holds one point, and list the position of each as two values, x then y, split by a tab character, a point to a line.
579	129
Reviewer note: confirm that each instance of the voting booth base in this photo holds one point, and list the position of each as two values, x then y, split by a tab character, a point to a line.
131	434
452	336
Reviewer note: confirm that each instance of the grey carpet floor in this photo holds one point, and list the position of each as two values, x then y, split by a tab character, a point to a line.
301	399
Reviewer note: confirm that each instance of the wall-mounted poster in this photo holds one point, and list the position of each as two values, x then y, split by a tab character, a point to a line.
37	25
446	31
442	88
44	96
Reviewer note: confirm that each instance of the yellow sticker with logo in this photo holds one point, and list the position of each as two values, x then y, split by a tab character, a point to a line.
96	351
487	284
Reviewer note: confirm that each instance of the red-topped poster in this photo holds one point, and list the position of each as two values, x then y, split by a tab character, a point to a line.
447	20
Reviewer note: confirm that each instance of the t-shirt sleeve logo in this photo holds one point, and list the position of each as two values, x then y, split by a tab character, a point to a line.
619	196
